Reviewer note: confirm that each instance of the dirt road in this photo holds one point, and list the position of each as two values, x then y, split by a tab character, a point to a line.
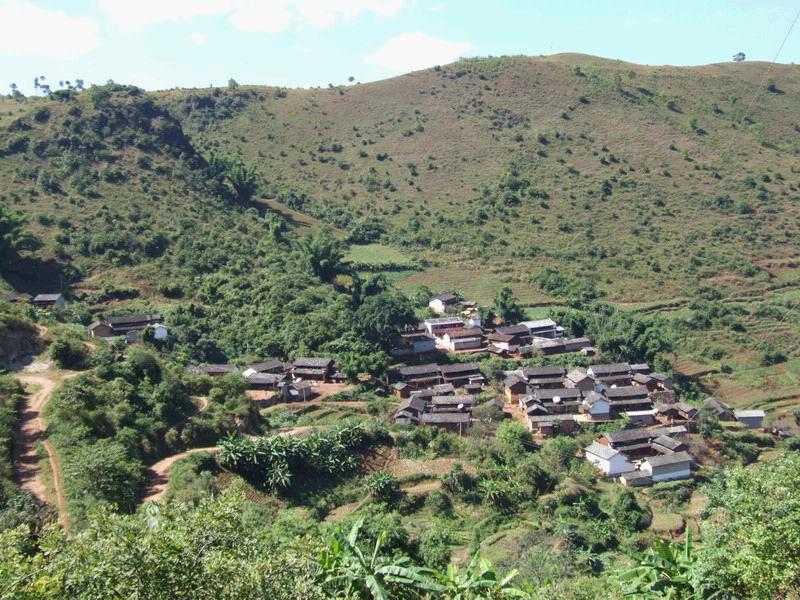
31	431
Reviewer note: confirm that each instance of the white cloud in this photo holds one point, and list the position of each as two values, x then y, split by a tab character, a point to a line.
198	37
269	16
415	50
135	15
30	30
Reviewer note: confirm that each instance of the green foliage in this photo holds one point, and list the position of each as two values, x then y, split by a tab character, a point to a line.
323	254
666	570
68	352
192	479
277	462
173	550
382	485
507	306
13	234
750	542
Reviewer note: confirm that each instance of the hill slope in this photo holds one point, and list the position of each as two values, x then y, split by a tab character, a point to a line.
512	164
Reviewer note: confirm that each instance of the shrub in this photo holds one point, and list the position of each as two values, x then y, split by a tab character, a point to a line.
382	485
68	353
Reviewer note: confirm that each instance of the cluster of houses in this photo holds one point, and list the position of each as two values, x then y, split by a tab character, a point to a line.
437	395
129	326
553	399
642	456
458	328
55	302
293	381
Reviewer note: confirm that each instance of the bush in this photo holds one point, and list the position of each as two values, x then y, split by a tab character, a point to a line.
434	549
68	353
382	485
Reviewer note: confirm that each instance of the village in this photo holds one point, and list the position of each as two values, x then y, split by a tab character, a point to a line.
550	400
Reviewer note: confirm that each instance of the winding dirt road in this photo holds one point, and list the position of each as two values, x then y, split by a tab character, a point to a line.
31	431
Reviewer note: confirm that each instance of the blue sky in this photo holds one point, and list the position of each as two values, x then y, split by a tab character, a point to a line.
159	44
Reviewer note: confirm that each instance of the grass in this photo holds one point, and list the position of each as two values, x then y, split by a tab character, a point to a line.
377	253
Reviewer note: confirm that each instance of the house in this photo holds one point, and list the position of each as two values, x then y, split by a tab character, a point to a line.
609	461
640	368
417	342
275	367
543	328
610	372
12	298
633	442
641	417
751	419
513	387
506	337
420	376
547	425
50	301
409	411
438	327
557	400
402	389
472	318
457	422
122	325
263	381
719	409
664	444
443	303
219	370
664	381
677	411
444	389
579	378
296	391
596	406
545	377
313	369
463	338
451	403
461	373
628	392
667	467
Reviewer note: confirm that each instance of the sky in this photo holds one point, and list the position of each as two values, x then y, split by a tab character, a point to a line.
162	44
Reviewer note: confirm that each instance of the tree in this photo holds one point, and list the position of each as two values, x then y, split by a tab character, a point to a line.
751	547
323	254
507	306
13	234
356	356
382	486
232	84
68	353
243	179
381	318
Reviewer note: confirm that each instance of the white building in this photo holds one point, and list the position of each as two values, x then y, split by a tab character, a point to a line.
609	461
443	303
160	332
438	327
464	338
667	467
596	406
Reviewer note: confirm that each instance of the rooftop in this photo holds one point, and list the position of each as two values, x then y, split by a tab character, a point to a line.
669	459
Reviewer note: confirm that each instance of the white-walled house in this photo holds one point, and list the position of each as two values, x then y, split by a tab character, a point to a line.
609	461
596	406
667	467
160	332
443	303
463	338
438	327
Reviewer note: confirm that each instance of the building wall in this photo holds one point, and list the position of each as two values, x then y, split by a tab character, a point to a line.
668	472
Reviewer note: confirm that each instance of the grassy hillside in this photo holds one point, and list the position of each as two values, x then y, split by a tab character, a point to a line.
642	178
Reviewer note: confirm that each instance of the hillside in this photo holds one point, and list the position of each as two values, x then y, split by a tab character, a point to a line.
596	167
645	185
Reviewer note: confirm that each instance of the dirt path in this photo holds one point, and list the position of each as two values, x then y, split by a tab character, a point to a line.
158	474
31	431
